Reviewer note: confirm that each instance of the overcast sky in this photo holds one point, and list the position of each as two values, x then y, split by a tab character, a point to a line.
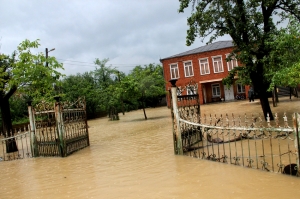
128	32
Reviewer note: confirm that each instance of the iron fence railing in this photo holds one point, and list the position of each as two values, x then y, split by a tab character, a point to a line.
238	140
22	141
55	129
268	148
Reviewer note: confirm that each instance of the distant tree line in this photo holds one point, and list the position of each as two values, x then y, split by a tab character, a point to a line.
107	91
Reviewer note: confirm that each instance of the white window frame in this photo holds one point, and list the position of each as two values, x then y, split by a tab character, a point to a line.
205	66
188	68
176	71
232	63
220	68
212	90
242	88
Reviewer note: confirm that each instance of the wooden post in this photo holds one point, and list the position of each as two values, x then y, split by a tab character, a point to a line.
33	143
296	120
60	127
176	117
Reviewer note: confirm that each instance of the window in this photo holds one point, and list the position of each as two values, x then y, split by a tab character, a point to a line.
240	88
188	69
204	67
217	63
232	63
216	92
174	71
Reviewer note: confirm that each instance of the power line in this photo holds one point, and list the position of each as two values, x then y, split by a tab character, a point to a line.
82	63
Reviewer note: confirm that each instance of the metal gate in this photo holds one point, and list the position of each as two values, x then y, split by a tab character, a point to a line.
58	129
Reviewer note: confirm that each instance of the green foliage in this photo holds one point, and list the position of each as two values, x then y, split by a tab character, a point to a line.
25	73
82	85
106	79
251	24
243	20
18	109
284	59
99	87
145	84
109	90
259	45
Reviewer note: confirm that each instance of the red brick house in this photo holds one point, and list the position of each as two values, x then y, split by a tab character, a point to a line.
206	66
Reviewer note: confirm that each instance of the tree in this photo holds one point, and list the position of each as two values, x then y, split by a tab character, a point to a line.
144	84
106	79
75	86
25	72
284	60
250	24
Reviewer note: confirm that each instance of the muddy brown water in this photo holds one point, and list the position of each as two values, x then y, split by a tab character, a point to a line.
133	158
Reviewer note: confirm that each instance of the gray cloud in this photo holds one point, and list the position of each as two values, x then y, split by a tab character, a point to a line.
128	32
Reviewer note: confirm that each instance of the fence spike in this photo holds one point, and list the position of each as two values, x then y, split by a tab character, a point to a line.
221	119
285	119
277	120
233	120
260	120
268	120
227	120
246	120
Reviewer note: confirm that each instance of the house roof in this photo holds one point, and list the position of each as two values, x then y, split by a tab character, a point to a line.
210	47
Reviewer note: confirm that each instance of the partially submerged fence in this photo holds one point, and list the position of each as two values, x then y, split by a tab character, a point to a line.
238	140
21	137
57	129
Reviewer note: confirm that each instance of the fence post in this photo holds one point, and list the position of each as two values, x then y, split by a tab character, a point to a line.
297	137
176	117
33	144
60	126
86	124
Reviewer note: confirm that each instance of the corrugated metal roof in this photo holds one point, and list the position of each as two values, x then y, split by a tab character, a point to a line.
210	47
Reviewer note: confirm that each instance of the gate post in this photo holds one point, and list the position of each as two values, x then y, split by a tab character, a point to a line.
176	123
297	138
86	124
33	144
60	126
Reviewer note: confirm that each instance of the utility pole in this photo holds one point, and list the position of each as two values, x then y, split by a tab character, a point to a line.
121	95
47	55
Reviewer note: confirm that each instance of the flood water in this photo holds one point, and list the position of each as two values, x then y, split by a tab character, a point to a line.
133	158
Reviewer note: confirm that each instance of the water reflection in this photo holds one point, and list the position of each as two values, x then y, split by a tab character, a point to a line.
134	159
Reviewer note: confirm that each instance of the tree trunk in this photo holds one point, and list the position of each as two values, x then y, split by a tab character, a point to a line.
11	145
265	105
276	94
261	88
144	111
143	104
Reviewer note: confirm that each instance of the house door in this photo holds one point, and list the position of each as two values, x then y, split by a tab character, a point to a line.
229	95
204	94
